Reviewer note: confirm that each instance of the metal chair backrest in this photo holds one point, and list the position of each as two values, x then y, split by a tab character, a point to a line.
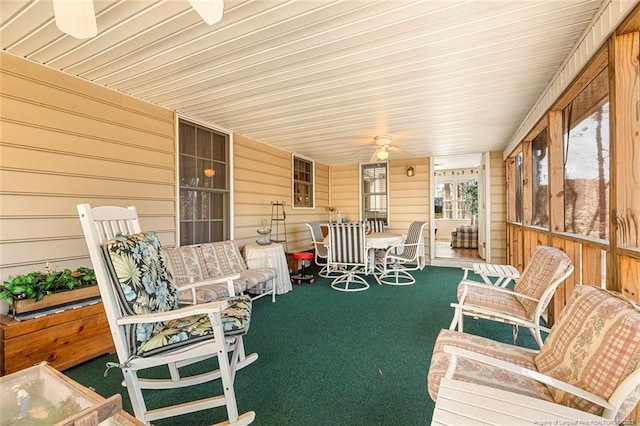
413	240
347	244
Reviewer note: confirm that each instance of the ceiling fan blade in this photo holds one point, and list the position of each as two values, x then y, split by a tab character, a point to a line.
76	18
210	10
374	157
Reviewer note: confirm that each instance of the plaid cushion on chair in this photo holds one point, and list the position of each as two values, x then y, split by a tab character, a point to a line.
546	264
485	296
594	345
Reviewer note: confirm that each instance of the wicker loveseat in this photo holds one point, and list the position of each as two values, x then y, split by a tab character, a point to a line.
464	236
219	260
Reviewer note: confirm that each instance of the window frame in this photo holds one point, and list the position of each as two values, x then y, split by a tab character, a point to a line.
310	184
384	194
226	191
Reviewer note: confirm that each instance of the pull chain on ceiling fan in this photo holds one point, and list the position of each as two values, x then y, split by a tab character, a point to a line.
78	19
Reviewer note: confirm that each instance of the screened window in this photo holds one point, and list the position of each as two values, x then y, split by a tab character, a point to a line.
204	184
374	192
586	161
303	177
540	174
518	188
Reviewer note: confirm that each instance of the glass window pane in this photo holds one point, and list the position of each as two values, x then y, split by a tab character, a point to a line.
374	192
204	193
586	169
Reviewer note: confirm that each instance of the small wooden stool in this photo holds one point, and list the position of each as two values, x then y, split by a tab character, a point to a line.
302	277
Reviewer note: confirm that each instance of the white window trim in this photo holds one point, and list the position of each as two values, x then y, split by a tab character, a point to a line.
313	182
176	147
360	194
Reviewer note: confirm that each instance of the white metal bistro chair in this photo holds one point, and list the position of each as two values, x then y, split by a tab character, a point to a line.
399	259
348	254
321	252
148	326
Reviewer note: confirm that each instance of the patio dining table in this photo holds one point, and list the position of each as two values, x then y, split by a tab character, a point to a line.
380	241
376	241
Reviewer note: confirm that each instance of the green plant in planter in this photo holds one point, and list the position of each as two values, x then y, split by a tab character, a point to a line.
36	285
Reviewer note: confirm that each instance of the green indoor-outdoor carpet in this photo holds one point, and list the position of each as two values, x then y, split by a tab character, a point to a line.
328	357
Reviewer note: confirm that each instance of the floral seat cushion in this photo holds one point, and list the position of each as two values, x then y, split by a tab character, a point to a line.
483	374
144	284
595	344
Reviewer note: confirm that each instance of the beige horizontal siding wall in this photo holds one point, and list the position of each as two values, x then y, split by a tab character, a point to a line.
262	175
64	141
345	191
498	219
409	199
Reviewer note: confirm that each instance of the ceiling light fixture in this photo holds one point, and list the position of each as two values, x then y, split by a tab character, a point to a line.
76	18
210	10
382	154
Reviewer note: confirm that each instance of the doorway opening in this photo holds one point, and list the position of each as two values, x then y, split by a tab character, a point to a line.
455	195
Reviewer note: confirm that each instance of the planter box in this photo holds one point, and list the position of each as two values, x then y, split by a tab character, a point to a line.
55	299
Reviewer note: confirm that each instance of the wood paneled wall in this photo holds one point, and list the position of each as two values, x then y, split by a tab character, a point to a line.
65	141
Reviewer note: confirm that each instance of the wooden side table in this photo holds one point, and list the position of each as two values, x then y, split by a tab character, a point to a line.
63	339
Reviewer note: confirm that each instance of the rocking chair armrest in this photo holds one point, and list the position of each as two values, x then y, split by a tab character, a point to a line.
531	374
204	308
497	288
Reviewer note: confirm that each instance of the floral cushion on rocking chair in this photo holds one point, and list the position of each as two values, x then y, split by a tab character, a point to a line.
144	284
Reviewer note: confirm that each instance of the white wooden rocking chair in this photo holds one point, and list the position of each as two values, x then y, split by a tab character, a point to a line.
148	326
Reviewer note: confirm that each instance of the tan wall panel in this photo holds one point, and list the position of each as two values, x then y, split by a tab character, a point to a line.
65	141
262	174
60	184
498	200
34	138
21	205
48	162
67	98
67	121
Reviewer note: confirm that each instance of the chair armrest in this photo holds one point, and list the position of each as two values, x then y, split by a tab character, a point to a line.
489	312
497	289
194	285
208	281
504	365
204	308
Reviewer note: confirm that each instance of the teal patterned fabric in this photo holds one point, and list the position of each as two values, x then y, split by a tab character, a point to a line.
144	284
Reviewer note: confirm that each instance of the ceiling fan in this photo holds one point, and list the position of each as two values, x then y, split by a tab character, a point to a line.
383	144
78	19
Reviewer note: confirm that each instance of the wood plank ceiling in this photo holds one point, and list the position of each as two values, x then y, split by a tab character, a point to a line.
322	78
